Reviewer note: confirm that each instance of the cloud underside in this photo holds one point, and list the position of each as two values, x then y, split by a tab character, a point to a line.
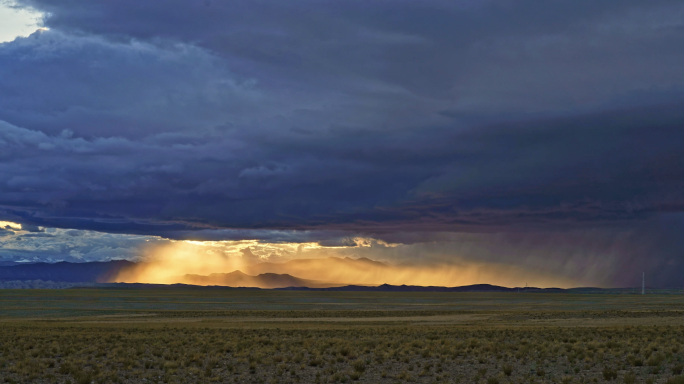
302	121
612	168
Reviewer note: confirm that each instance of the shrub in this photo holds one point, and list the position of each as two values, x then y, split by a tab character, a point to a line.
507	369
655	360
629	378
609	374
677	369
492	380
359	366
315	362
66	368
676	380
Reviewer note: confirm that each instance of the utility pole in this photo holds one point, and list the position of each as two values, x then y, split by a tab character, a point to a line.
643	283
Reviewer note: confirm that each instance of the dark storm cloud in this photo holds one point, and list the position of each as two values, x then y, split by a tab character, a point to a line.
82	85
190	119
491	55
594	168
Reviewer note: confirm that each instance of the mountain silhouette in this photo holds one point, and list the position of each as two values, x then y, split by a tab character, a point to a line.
240	279
330	269
419	288
314	273
105	272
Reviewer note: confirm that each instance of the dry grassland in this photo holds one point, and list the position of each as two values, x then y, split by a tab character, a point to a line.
542	343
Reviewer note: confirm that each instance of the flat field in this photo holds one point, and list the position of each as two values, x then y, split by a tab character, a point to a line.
260	336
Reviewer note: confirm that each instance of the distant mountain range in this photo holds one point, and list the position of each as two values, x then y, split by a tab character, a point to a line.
383	288
465	288
330	269
263	275
239	279
419	288
294	273
357	288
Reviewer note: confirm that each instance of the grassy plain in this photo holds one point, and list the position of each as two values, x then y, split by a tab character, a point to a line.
248	336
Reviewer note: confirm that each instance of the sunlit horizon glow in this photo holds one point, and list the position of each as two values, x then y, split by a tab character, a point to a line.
162	263
169	263
455	261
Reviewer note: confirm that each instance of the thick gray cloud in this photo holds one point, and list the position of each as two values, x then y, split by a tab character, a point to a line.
566	171
398	120
486	56
93	87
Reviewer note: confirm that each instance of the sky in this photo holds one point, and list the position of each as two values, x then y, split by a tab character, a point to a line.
541	136
17	21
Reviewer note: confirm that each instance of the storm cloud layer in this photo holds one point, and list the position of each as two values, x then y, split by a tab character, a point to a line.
408	122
